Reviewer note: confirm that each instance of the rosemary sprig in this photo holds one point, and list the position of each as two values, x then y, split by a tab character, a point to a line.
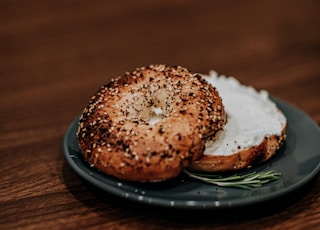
245	181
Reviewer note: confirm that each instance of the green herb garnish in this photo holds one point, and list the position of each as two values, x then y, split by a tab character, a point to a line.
244	181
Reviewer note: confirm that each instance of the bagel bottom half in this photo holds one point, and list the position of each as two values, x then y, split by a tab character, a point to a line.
254	131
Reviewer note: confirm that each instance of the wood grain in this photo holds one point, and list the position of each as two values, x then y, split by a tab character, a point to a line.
55	54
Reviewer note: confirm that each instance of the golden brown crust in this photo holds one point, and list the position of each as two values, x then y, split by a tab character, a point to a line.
245	158
116	135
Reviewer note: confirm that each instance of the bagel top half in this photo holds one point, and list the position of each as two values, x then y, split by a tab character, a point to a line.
149	124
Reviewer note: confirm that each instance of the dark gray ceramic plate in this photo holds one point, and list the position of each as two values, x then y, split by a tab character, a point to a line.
298	162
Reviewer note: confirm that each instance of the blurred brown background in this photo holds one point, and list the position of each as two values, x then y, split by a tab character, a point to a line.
55	54
49	42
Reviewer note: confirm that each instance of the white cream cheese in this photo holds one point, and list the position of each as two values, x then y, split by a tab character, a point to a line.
251	116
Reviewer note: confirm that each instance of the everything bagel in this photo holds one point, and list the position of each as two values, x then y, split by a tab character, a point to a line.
149	124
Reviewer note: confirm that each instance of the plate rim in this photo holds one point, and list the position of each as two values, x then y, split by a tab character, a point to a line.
188	204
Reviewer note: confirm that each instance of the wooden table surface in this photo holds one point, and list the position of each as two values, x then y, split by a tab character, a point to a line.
55	54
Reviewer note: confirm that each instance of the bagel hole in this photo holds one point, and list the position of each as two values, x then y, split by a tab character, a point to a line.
156	115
